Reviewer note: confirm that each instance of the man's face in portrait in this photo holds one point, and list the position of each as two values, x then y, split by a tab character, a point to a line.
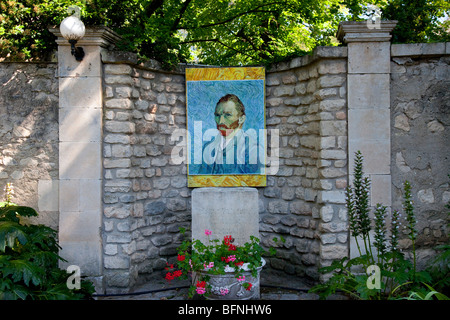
228	118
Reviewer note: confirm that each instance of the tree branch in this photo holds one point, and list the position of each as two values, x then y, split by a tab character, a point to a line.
180	15
153	6
218	41
234	17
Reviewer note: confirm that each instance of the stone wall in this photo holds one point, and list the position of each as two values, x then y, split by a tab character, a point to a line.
29	136
306	102
420	119
145	198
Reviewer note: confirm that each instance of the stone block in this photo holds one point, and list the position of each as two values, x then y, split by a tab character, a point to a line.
369	57
91	65
225	211
80	160
118	185
367	91
124	92
118	69
119	79
417	49
332	105
333	128
326	213
83	225
48	195
117	211
90	194
333	227
80	92
380	189
328	238
87	255
332	67
426	196
69	195
80	124
121	151
333	252
119	103
120	127
117	262
330	81
278	207
333	154
377	155
116	163
369	124
332	196
283	91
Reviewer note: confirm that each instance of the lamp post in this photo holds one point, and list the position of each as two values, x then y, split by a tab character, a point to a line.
72	29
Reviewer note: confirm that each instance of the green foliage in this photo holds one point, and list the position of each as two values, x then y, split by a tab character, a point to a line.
420	295
218	32
29	259
398	276
418	20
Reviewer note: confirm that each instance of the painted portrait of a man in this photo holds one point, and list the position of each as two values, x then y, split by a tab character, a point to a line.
232	150
226	125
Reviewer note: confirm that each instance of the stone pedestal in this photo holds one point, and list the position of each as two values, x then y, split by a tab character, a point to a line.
225	211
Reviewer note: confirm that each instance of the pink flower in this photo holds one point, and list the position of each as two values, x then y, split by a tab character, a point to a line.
210	265
208	232
230	258
241	278
200	290
223	291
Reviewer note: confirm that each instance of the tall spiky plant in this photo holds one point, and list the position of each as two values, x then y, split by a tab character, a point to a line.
380	231
357	200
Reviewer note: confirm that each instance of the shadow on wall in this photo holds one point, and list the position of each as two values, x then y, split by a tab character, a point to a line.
29	133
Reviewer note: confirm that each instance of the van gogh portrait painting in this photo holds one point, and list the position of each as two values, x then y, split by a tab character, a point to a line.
226	122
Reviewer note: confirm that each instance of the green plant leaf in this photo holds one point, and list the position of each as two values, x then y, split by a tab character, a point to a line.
22	270
11	231
19	210
439	296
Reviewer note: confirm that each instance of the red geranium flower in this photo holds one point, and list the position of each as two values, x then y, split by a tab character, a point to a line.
227	240
169	276
201	284
181	257
177	273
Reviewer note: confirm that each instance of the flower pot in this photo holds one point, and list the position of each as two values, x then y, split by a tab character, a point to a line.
228	287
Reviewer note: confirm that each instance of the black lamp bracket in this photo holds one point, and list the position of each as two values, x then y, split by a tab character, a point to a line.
77	52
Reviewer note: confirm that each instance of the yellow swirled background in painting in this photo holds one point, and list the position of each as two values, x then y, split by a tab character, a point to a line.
227	181
235	73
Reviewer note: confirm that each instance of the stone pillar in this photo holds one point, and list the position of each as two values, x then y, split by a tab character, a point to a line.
368	91
80	152
225	211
